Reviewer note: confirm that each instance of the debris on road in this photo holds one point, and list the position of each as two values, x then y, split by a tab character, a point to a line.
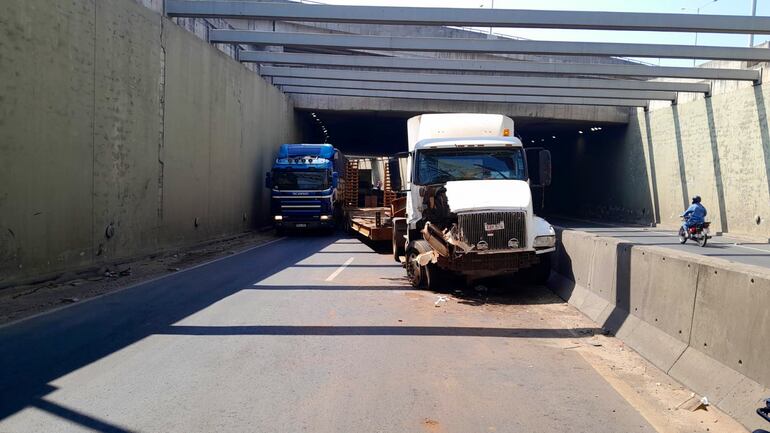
173	269
70	300
704	401
693	403
439	300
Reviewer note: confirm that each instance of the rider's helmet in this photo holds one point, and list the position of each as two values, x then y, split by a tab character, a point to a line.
696	199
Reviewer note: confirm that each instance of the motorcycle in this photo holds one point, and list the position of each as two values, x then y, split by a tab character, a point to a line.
698	233
764	412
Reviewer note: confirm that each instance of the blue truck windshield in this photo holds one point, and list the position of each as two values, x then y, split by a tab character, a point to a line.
443	165
308	179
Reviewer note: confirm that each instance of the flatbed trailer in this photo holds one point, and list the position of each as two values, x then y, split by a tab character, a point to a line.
373	223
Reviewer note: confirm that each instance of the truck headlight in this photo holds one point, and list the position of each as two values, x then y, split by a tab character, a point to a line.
279	217
545	241
326	217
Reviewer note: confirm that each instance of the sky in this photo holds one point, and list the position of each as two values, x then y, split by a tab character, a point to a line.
718	7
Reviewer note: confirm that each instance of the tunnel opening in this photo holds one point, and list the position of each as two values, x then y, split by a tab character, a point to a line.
369	133
598	173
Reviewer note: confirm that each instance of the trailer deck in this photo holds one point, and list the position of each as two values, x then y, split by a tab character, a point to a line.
371	222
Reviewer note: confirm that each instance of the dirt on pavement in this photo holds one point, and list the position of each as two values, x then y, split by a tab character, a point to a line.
18	302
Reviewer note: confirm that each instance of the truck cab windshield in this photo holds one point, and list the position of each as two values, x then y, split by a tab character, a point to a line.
307	179
444	165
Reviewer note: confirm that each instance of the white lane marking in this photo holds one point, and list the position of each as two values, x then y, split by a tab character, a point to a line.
751	248
340	269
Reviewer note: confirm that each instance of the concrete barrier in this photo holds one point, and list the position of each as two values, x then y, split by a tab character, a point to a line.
731	322
704	321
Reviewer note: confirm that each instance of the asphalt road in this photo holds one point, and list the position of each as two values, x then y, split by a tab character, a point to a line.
723	247
317	334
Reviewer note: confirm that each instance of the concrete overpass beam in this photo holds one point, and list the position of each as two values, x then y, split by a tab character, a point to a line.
501	66
479	90
487	80
499	46
471	17
309	90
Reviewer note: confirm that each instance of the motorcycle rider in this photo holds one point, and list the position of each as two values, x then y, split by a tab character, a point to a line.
695	214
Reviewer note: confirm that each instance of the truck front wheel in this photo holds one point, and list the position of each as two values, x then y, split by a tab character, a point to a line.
421	277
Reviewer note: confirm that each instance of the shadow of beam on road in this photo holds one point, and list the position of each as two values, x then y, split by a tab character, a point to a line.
352	265
368	251
76	417
332	288
622	232
36	351
733	254
419	331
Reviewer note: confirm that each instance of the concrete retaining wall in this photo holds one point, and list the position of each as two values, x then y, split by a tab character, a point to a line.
704	321
113	119
718	148
647	171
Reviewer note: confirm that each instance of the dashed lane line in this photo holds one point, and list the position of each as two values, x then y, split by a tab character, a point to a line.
340	269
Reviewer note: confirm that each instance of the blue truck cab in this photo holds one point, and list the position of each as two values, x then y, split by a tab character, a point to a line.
303	186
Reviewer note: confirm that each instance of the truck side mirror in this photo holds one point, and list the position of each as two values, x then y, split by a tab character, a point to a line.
335	179
268	180
544	159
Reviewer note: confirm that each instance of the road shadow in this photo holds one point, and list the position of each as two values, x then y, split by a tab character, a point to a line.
379	247
77	417
329	288
334	266
759	98
717	163
37	351
513	289
680	157
512	295
653	174
419	331
622	306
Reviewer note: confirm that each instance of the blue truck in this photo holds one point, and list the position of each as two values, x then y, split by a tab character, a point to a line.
303	186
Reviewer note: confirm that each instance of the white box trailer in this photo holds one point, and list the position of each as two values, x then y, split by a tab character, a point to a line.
469	205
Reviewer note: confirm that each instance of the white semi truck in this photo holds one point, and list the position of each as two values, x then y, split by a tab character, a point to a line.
469	206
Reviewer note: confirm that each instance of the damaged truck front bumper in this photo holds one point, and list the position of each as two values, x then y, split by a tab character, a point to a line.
482	265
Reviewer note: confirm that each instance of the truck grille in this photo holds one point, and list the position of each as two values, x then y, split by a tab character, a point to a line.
494	228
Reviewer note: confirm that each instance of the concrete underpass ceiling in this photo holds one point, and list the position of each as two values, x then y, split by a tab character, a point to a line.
384	133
